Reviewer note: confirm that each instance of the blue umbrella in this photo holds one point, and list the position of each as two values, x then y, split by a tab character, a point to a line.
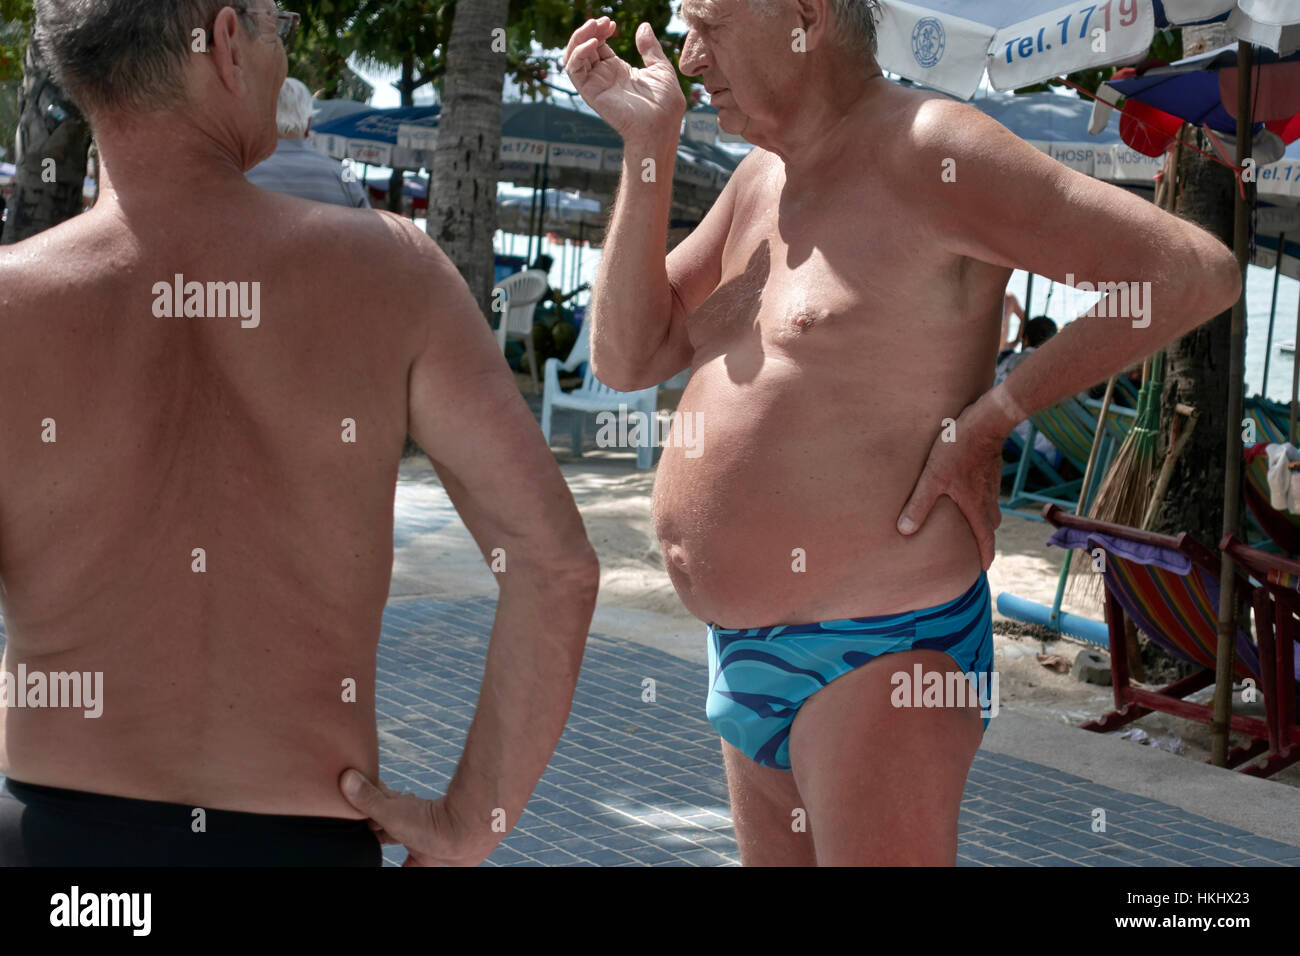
376	136
1190	88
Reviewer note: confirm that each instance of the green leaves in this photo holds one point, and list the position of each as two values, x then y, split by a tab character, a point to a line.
389	32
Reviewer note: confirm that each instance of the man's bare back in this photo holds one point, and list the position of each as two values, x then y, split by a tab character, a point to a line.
205	390
839	338
224	673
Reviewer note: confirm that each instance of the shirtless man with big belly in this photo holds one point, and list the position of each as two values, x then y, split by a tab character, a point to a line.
198	504
839	308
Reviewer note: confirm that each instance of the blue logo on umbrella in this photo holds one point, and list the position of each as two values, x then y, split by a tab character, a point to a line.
928	42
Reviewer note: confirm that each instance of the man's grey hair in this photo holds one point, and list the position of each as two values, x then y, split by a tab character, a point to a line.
855	21
293	110
124	54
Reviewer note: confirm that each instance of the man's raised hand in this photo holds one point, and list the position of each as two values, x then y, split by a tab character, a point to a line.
640	104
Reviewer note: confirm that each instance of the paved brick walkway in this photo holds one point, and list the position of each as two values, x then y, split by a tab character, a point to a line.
634	782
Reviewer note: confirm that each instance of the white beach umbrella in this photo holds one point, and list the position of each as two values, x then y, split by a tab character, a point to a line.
951	45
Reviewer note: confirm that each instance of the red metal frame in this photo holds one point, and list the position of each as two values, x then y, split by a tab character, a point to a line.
1276	610
1132	703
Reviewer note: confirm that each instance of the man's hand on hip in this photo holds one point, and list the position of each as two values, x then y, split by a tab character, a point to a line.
968	469
431	835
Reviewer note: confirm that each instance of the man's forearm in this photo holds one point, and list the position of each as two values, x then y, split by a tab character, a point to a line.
533	661
1095	346
631	301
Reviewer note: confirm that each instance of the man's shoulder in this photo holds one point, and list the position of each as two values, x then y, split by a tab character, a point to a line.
55	250
923	120
375	238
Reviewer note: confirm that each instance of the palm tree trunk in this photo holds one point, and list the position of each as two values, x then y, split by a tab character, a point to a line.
463	187
50	128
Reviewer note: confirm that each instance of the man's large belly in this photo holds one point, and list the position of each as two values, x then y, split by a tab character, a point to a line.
787	510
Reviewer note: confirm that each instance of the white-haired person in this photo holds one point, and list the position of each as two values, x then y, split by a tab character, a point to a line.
839	307
297	168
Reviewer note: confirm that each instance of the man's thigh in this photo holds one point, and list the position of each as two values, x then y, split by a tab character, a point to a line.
883	784
772	826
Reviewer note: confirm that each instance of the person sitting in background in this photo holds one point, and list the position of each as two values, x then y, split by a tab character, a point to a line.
296	168
1036	331
543	263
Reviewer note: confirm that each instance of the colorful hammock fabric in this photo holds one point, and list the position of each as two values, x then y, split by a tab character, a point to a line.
1173	601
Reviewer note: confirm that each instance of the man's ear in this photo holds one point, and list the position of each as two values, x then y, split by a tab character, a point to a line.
813	17
225	52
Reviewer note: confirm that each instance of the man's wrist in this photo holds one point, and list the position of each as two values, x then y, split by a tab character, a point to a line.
656	146
998	412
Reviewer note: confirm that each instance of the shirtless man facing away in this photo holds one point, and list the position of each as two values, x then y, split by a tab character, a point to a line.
184	509
839	302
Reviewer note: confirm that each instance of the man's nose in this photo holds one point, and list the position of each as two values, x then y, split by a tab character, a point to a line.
694	58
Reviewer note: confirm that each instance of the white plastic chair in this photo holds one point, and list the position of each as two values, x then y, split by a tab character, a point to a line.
592	396
523	291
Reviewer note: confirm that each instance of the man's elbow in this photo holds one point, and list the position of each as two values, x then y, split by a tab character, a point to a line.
1225	280
620	376
1216	284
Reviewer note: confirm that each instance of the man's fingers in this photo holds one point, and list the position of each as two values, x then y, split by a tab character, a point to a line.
981	521
580	36
583	56
361	793
386	808
918	506
647	45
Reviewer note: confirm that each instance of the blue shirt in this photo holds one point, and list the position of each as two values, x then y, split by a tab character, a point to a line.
297	169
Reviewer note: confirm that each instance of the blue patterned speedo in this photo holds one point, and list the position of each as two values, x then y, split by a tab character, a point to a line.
759	677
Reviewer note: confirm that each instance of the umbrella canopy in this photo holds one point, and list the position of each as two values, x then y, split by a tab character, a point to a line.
1267	250
325	111
1059	126
1203	90
1280	182
380	137
951	44
565	148
568	215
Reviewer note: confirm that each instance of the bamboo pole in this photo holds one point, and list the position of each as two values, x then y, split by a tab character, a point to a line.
1226	657
1272	312
1295	382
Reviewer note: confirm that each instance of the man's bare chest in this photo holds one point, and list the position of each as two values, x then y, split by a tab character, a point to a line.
821	279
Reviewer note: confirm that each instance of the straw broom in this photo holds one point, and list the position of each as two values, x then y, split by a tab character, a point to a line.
1125	492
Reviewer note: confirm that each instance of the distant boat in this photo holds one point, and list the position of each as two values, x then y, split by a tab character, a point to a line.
1288	347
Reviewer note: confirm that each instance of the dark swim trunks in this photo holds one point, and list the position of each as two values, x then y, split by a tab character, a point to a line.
48	826
759	677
